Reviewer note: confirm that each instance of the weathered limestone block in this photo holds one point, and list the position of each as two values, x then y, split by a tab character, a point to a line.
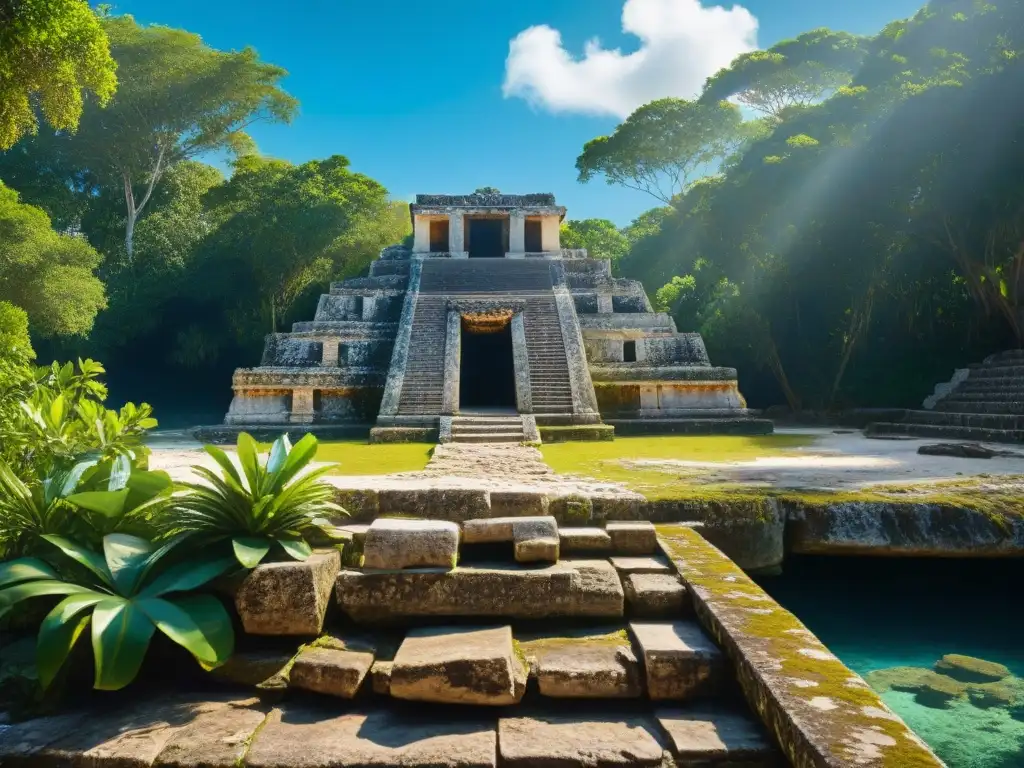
585	666
380	676
713	736
519	503
650	564
297	736
331	670
459	666
618	507
393	544
129	736
535	540
576	540
288	598
819	711
576	588
599	742
680	660
633	538
267	670
656	596
218	738
455	504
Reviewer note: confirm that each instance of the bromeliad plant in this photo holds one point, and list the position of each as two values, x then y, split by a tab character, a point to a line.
126	594
267	503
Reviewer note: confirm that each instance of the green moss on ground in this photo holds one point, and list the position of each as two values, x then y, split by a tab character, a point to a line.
358	457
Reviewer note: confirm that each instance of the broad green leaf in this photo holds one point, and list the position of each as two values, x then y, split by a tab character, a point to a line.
126	557
225	463
83	556
59	632
198	623
107	503
120	637
13	595
146	484
57	410
120	471
186	576
74	476
250	550
278	454
25	569
300	455
248	457
300	550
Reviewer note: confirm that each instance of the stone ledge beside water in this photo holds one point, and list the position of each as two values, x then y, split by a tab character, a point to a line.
820	712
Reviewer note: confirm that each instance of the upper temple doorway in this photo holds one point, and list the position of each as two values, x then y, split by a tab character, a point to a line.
487	376
487	238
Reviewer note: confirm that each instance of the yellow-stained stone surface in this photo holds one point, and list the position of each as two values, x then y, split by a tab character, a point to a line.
819	711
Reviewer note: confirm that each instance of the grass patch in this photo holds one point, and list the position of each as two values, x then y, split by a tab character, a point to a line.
610	460
358	457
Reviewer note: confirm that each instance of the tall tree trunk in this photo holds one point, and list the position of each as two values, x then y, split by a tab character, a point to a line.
860	320
133	208
775	363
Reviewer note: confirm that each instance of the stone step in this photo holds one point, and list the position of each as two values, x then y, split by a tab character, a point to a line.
583	664
960	405
957	433
471	429
567	589
997	371
489	438
992	384
976	420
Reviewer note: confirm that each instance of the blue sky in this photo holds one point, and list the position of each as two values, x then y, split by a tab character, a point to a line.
411	92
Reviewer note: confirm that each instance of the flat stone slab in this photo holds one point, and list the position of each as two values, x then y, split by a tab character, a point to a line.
267	670
455	665
647	564
288	598
569	588
656	596
129	736
585	666
396	543
218	738
554	741
633	538
298	736
681	661
330	670
715	736
584	540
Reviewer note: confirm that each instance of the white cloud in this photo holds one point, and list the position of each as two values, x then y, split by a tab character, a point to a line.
682	42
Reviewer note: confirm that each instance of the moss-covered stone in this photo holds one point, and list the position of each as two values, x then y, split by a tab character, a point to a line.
820	712
969	669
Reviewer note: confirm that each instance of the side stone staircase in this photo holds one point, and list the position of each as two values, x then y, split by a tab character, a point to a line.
423	383
987	403
549	368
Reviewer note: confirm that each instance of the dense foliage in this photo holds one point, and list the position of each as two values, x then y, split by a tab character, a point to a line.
121	243
50	52
867	234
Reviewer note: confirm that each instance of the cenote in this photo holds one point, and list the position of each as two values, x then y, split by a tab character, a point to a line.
880	613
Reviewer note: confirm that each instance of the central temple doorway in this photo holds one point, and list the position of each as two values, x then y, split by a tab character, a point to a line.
486	239
487	377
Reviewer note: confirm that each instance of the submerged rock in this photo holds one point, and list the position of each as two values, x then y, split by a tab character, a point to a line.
969	669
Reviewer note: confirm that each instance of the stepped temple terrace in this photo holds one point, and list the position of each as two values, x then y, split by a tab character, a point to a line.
488	330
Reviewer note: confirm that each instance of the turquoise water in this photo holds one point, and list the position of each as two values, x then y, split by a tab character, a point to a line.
881	613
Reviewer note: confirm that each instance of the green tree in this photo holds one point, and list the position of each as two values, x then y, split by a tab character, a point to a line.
664	146
50	52
177	98
49	275
792	73
600	237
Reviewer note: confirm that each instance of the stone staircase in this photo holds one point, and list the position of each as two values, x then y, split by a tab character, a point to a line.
423	383
549	368
987	404
546	646
482	428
